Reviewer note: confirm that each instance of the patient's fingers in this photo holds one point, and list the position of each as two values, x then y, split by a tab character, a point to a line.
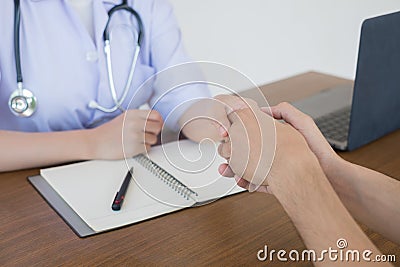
287	112
306	126
225	170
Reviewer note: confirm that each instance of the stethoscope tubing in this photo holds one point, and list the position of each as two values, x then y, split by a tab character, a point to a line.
117	103
27	98
17	54
107	50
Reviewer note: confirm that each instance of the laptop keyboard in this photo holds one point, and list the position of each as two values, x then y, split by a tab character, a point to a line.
335	125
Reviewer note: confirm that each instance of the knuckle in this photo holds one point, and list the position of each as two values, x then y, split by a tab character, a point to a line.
153	139
227	150
137	136
155	114
284	105
159	126
220	149
223	150
251	102
308	120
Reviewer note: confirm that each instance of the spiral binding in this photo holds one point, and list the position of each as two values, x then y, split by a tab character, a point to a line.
166	177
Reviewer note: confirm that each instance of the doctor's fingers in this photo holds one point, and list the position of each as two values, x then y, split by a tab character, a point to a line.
139	137
152	115
232	104
226	171
139	124
134	145
145	115
235	103
224	150
153	127
246	185
150	139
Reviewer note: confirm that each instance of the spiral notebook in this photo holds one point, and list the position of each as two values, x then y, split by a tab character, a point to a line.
171	177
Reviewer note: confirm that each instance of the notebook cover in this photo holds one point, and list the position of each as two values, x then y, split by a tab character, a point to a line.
61	207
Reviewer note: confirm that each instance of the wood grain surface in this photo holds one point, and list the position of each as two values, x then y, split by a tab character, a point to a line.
229	231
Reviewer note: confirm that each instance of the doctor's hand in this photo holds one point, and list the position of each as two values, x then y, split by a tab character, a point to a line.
208	118
127	135
228	104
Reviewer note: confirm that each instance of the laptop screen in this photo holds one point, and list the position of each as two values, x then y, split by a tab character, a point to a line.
376	98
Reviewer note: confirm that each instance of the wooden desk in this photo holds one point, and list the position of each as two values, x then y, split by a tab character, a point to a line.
227	232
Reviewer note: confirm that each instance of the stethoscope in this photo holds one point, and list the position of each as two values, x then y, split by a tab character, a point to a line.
23	103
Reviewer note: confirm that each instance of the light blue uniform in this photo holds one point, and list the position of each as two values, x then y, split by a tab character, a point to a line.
66	69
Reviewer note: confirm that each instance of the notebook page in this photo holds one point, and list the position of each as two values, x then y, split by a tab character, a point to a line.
89	189
196	166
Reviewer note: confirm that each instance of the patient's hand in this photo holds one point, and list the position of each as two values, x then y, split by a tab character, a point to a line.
260	156
226	171
327	157
232	103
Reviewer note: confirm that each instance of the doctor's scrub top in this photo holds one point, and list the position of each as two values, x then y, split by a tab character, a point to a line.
66	69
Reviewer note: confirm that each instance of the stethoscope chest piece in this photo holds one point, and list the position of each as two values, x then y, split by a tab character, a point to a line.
22	103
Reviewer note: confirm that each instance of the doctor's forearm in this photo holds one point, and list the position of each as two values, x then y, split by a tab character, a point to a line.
127	135
200	120
196	128
199	130
28	150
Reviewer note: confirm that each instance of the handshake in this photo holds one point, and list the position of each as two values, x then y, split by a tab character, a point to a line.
265	154
280	150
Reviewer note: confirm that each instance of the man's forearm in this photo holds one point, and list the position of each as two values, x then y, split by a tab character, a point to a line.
369	196
319	215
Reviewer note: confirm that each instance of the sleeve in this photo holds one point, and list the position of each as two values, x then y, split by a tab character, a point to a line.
179	81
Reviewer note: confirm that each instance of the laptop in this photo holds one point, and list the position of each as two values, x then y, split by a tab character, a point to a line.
352	117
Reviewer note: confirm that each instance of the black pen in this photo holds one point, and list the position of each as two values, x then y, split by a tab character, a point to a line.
120	196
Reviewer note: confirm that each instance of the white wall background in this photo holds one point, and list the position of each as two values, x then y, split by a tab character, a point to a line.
270	40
